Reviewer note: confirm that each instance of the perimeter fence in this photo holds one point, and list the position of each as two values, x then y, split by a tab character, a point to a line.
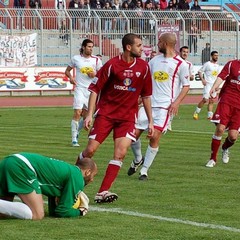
60	33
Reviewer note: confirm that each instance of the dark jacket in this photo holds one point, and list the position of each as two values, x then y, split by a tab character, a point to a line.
32	3
72	5
19	3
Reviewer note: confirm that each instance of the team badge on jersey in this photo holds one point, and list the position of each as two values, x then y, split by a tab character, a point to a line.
138	74
214	73
160	76
86	70
128	73
127	82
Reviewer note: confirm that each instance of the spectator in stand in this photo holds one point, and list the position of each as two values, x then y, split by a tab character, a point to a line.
163	4
175	4
131	4
20	4
183	5
140	20
206	52
157	6
195	6
74	5
108	18
193	37
125	6
96	4
87	19
35	4
117	22
170	6
60	6
149	5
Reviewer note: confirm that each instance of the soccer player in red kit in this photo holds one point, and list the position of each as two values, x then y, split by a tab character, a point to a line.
116	89
227	114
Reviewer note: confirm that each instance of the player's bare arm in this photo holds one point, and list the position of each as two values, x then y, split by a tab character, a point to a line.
91	74
202	78
215	87
148	109
173	108
69	75
91	108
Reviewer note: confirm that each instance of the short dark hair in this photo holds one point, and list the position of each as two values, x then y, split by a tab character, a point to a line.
85	43
214	52
183	47
86	163
128	39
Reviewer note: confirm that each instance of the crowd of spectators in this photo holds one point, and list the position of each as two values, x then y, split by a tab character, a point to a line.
166	5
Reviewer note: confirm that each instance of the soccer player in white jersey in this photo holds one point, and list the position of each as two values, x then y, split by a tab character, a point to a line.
183	52
208	74
170	79
86	66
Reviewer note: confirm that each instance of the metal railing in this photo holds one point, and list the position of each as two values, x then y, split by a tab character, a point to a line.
60	33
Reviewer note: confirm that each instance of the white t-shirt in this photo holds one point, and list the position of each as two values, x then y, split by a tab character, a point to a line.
83	66
190	66
210	71
168	76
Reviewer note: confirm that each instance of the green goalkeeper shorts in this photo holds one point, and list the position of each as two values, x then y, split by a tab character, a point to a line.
17	178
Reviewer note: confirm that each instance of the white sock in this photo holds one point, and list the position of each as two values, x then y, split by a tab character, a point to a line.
81	156
198	110
149	157
15	209
137	152
210	114
74	128
80	124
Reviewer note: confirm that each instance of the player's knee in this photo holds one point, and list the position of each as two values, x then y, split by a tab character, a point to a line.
38	216
89	152
232	138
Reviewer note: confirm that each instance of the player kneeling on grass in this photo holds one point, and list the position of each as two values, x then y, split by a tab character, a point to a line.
30	176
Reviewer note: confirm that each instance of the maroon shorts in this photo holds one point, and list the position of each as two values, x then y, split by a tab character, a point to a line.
102	127
227	115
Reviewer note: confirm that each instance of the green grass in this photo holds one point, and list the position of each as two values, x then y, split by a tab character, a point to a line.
180	187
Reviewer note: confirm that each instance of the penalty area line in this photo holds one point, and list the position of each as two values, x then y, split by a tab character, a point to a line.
166	219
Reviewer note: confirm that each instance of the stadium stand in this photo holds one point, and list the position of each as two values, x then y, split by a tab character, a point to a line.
219	28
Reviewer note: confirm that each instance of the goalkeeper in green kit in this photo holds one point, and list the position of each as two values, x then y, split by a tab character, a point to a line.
30	176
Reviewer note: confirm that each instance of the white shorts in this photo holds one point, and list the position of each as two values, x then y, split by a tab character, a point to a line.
206	90
161	119
81	96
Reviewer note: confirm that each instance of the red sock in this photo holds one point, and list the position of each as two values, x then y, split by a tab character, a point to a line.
214	147
227	144
110	175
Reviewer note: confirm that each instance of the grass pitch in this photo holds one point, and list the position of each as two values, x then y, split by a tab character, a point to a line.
181	200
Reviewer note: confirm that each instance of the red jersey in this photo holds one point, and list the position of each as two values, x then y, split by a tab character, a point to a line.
230	92
119	85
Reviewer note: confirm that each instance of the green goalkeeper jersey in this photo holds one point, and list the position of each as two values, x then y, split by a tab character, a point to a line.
53	177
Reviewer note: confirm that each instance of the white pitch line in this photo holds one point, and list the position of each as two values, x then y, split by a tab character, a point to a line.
194	132
166	219
160	218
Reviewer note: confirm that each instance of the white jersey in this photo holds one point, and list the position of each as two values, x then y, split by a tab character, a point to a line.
168	76
190	67
210	71
83	66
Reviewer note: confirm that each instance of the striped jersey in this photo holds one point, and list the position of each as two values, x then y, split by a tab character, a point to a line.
210	71
119	85
84	65
168	76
